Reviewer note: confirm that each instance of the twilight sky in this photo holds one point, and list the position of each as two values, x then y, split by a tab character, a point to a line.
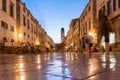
55	14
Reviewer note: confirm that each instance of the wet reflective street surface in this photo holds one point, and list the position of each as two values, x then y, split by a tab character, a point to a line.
60	66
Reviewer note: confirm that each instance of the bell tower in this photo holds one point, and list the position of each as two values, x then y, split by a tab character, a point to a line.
62	34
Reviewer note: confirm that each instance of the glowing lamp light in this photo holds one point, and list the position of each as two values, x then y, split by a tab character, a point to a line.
38	43
66	47
91	34
71	44
20	35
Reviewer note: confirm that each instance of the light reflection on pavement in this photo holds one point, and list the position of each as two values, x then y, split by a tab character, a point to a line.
60	66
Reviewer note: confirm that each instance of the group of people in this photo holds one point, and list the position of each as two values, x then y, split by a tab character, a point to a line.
86	43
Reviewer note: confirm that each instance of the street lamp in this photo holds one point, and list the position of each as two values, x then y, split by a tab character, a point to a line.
20	36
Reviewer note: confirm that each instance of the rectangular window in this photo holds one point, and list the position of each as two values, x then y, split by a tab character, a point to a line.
108	8
89	8
4	25
32	38
24	34
118	3
86	27
11	9
4	5
114	5
28	24
32	28
89	24
100	13
83	17
103	8
12	28
34	31
28	35
28	13
24	21
86	13
84	30
24	9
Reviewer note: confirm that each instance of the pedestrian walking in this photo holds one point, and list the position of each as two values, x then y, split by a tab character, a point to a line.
110	49
86	42
90	42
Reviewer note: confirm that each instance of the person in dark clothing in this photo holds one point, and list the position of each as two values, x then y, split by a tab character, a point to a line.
110	49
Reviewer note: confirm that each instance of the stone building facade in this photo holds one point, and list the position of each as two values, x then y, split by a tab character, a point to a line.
28	27
111	8
88	18
72	35
88	21
8	23
18	25
83	24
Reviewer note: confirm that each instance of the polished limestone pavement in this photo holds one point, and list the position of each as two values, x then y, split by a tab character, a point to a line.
60	66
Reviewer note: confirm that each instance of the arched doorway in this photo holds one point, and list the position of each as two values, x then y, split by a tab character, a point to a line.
103	41
111	37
